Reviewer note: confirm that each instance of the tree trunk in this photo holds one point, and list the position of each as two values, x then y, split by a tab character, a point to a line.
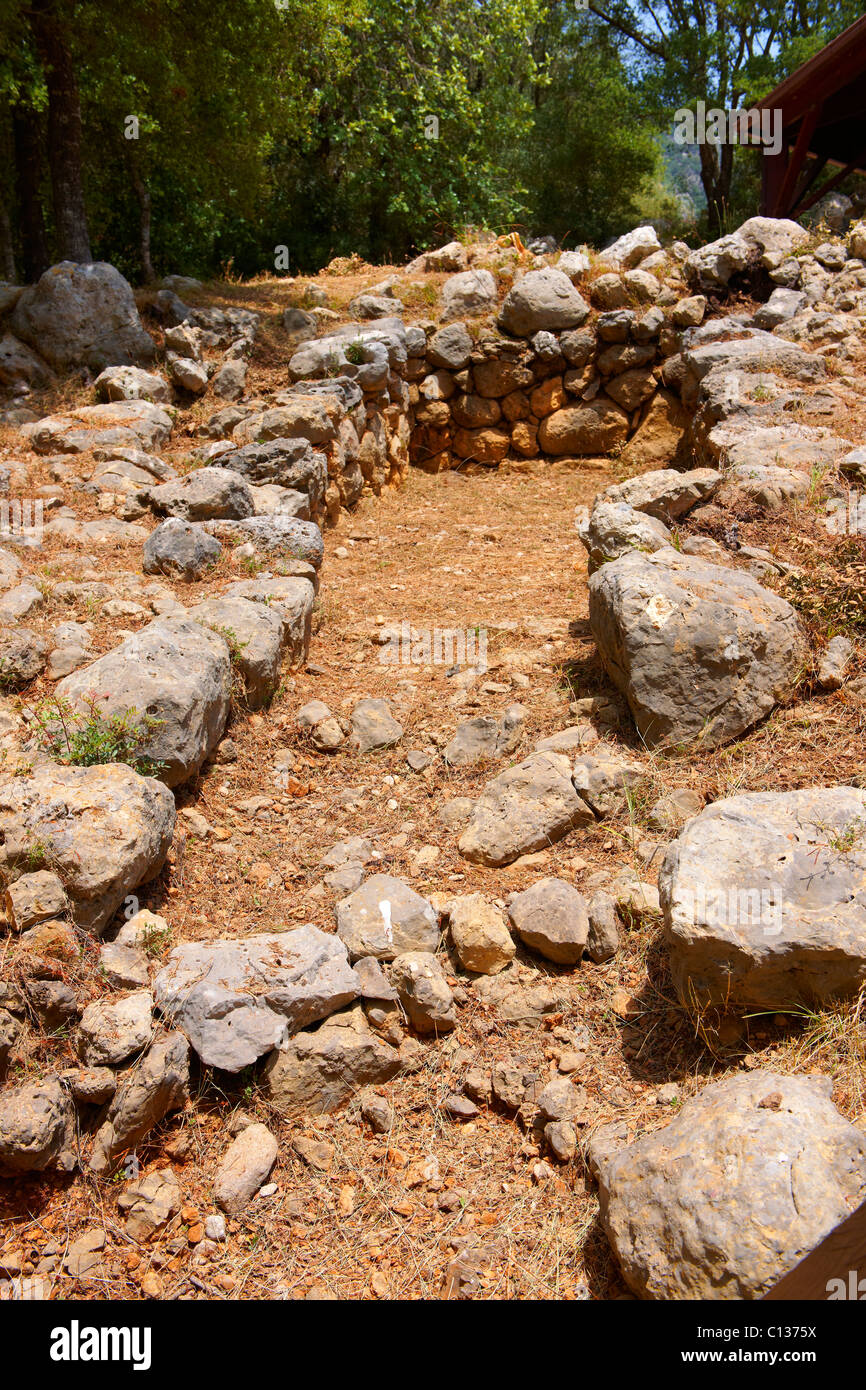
28	176
7	252
64	132
142	193
717	166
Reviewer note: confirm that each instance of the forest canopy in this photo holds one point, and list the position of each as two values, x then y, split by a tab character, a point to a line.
183	135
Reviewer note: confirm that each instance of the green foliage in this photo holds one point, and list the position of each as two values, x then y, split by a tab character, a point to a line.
335	127
87	738
592	149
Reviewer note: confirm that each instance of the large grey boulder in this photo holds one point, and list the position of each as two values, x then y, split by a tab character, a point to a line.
204	494
551	918
275	534
614	528
318	1072
180	549
542	299
146	1093
236	1000
764	900
104	829
748	1178
117	424
82	315
292	598
385	917
524	809
37	1128
173	673
256	635
701	652
291	463
470	293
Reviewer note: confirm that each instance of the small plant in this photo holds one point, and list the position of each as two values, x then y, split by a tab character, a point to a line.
154	939
232	641
89	737
354	352
37	854
236	649
845	841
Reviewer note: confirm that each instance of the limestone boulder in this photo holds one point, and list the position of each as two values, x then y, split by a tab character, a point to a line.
176	675
543	299
37	1128
524	809
318	1072
82	316
701	652
237	999
104	829
746	1180
764	900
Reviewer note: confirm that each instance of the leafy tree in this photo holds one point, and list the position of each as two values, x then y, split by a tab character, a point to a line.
722	52
414	132
592	147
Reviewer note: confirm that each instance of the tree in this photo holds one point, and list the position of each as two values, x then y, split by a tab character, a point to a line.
592	146
721	52
413	130
49	25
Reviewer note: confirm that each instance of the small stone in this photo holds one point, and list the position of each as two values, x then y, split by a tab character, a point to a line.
602	940
480	935
110	1033
244	1168
459	1108
424	992
551	918
377	1112
124	967
215	1227
562	1138
34	898
833	663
